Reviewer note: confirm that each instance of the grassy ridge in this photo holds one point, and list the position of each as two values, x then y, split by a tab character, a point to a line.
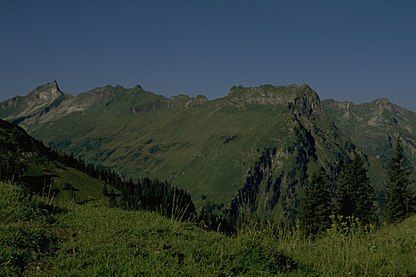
92	240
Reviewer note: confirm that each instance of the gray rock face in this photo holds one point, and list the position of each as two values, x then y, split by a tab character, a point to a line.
47	102
45	93
37	102
300	100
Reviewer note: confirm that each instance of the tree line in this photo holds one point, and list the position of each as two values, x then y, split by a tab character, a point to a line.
355	197
141	194
153	195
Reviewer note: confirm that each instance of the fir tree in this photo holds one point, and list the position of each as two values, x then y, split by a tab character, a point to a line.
355	193
365	194
316	209
346	203
398	205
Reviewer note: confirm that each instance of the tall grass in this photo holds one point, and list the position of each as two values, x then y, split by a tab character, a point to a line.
92	240
359	251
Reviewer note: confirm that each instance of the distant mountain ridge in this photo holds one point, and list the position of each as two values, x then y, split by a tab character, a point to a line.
374	126
210	147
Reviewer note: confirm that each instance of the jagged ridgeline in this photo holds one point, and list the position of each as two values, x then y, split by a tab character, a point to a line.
375	126
255	145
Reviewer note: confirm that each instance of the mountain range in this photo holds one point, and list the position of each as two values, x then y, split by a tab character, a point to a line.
211	148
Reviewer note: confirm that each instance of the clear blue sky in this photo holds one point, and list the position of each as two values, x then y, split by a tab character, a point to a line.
347	50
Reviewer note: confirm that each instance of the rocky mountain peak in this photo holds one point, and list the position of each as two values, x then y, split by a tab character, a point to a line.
183	100
298	99
46	92
382	102
306	101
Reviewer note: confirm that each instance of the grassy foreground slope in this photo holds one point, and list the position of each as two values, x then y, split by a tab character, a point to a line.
91	240
390	251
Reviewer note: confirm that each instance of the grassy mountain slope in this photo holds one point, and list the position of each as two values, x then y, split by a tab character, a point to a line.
66	240
27	161
206	147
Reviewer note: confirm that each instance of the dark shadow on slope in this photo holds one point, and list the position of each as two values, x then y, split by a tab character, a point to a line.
41	185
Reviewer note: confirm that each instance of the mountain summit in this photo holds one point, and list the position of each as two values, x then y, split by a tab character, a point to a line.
35	103
298	99
46	92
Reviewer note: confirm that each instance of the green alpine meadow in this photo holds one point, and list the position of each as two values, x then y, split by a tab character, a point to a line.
267	180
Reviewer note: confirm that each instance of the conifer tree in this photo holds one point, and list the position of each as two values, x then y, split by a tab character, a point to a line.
346	203
355	193
365	194
398	205
316	209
